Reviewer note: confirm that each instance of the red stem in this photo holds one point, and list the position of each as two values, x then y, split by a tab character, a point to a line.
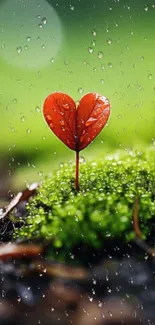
77	170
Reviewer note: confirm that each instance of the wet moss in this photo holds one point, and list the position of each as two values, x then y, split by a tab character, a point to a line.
103	206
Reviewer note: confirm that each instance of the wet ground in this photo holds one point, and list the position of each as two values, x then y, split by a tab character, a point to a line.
113	286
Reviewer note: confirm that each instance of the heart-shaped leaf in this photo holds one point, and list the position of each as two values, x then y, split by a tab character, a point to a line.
76	126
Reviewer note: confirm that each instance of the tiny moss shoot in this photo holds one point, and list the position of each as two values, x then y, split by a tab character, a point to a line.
101	209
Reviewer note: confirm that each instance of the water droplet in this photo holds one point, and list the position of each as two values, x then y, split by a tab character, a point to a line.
109	41
28	131
19	49
90	121
28	38
51	125
142	58
40	173
22	118
62	122
146	8
66	106
52	60
44	21
82	160
110	313
150	76
80	90
25	47
44	138
61	164
90	50
100	55
40	25
43	47
102	81
119	116
93	42
110	65
37	109
94	32
71	7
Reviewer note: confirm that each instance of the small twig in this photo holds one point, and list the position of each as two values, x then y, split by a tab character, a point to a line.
22	196
17	251
136	219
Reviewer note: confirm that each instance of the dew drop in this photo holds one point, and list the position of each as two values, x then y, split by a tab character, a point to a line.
62	122
52	60
40	25
110	65
43	47
66	106
90	121
19	49
102	81
25	47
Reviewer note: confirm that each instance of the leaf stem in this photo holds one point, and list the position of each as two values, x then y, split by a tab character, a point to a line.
77	170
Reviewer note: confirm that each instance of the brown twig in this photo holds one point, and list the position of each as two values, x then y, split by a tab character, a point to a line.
22	196
17	251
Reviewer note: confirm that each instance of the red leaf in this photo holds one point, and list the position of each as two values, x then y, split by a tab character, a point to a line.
76	127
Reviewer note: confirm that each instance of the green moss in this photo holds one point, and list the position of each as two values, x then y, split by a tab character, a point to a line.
102	208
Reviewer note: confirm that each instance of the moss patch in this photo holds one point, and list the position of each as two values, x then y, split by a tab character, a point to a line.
102	208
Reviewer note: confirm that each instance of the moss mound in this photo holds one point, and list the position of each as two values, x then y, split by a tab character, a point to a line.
102	208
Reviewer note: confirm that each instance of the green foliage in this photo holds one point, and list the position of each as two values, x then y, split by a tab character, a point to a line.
103	207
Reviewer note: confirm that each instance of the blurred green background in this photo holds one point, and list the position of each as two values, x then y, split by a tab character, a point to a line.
75	47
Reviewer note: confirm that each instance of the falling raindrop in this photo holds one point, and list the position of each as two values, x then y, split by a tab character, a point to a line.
146	8
150	76
71	7
100	55
80	90
109	41
28	38
90	50
19	49
110	65
37	109
94	32
44	21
